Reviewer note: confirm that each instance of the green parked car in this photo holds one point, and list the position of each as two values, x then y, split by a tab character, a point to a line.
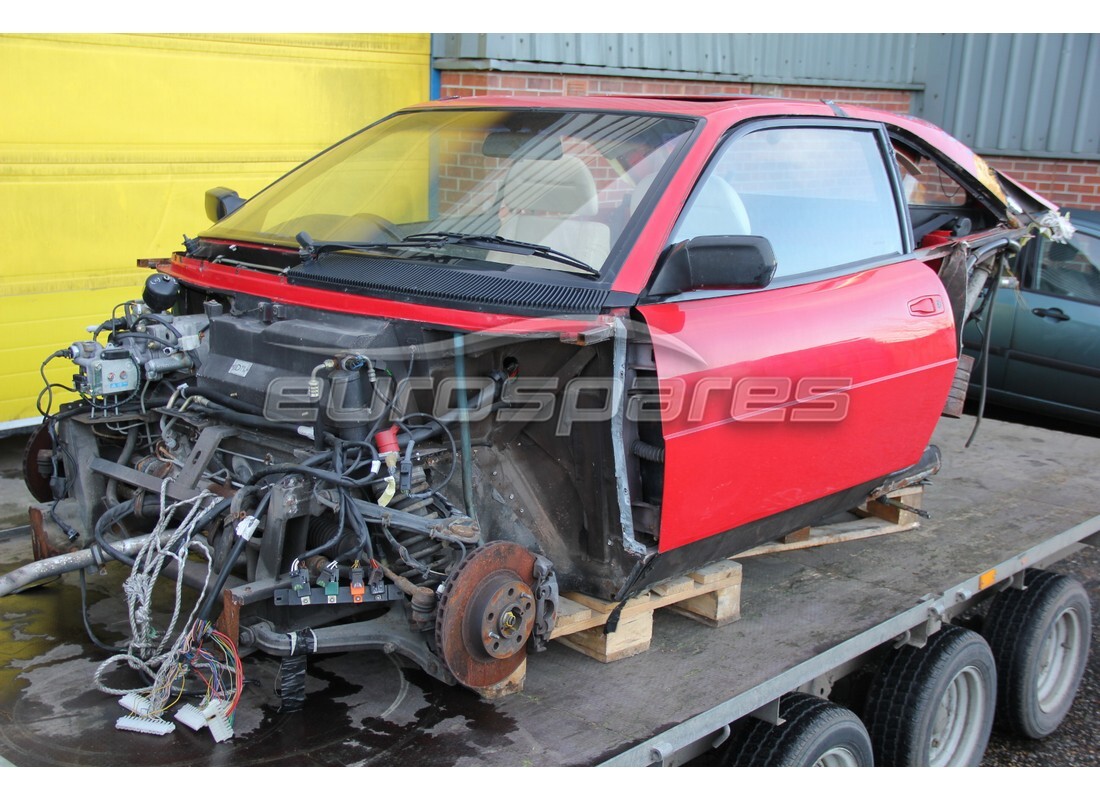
1044	348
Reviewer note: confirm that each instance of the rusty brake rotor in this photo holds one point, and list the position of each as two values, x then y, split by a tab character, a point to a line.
486	614
37	484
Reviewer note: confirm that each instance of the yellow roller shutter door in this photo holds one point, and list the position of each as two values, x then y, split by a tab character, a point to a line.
108	143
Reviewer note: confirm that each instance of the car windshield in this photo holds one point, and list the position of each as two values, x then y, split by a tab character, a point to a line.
566	183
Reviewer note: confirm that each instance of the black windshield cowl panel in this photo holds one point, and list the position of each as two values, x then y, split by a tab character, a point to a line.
472	289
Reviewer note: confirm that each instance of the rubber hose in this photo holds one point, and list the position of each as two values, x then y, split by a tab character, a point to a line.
648	452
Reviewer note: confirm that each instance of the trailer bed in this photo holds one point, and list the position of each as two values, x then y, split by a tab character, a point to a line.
1018	497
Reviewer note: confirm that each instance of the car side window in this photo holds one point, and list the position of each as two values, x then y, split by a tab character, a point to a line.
1068	270
821	196
925	183
938	203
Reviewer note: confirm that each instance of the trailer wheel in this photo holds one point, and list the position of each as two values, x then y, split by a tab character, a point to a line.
933	706
816	733
1040	641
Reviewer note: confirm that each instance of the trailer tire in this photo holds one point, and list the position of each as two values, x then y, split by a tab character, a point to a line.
815	733
933	706
1040	641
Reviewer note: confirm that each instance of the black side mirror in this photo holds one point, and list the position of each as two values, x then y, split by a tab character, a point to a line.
221	202
715	262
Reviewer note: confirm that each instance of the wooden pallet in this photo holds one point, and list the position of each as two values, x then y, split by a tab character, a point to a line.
711	595
876	519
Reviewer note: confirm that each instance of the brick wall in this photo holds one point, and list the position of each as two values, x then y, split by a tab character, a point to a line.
1072	183
471	84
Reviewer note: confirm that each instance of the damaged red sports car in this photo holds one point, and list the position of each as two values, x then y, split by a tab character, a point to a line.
486	351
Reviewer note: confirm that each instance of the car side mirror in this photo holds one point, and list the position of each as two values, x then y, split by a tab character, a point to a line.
221	202
715	262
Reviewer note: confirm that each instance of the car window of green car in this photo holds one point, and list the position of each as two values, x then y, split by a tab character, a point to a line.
1068	270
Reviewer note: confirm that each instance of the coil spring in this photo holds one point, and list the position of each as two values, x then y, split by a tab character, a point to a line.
431	553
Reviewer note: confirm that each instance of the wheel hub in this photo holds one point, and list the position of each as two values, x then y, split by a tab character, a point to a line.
500	618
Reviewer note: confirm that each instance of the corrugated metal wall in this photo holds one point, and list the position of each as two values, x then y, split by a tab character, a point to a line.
108	143
879	60
1019	94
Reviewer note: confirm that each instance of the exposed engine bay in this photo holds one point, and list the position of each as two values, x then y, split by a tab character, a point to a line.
337	476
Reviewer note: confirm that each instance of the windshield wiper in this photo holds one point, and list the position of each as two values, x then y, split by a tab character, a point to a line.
501	244
310	249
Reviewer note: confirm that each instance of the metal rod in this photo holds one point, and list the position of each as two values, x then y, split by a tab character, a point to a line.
464	425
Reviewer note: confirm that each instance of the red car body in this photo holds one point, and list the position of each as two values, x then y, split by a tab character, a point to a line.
767	335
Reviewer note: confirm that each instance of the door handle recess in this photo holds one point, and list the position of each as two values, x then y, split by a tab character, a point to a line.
1055	314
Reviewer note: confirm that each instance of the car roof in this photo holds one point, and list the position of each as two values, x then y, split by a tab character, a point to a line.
707	106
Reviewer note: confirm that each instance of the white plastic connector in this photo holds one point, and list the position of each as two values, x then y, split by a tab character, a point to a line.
137	703
157	727
214	708
220	727
192	717
247	526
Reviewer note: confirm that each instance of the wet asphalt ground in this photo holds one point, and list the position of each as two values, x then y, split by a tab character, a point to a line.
1075	743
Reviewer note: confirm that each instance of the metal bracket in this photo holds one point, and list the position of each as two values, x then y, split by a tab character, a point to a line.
919	635
769	712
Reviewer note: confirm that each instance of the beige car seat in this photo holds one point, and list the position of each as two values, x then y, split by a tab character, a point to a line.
717	210
553	203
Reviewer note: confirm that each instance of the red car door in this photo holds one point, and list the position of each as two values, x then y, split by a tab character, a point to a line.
832	376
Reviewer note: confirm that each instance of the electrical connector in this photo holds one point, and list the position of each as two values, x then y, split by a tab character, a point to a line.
136	703
220	726
329	580
191	717
358	588
376	581
299	583
405	477
157	727
213	708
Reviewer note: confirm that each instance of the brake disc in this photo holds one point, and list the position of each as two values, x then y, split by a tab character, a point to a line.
486	614
37	484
